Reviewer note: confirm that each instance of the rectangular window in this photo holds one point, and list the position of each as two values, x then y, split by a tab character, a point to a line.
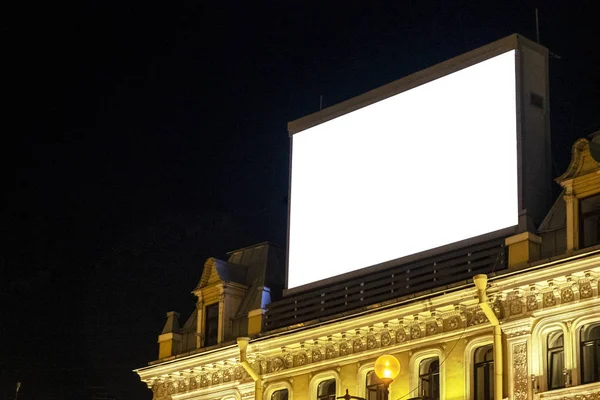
429	378
375	388
555	359
280	395
484	373
590	353
211	324
589	221
326	390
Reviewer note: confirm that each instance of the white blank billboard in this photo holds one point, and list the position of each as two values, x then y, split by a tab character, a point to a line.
424	168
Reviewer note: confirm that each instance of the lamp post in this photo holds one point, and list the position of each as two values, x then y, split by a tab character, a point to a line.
387	367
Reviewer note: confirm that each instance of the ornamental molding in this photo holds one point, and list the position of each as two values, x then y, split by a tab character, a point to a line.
520	376
589	391
516	300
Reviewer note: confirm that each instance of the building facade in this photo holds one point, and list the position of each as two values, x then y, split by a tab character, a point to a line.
528	326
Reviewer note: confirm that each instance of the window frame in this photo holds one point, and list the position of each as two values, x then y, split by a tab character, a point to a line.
320	377
217	306
489	390
414	364
550	353
277	386
595	343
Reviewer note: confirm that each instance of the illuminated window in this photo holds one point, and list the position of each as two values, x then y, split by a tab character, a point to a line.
375	389
326	390
280	395
484	373
429	378
589	222
211	324
590	353
555	360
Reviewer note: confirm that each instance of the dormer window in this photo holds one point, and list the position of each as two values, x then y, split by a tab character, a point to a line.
589	222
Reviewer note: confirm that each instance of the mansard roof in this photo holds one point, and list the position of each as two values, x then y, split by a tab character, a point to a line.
254	266
556	217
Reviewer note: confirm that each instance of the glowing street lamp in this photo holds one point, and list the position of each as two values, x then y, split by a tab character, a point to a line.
387	368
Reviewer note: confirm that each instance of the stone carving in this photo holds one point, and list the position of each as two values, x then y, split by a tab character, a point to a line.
516	306
170	387
415	332
301	358
549	299
344	349
431	328
371	342
276	364
386	338
532	303
226	375
357	345
329	351
520	377
238	373
317	355
567	295
215	378
585	289
453	323
288	360
204	381
400	335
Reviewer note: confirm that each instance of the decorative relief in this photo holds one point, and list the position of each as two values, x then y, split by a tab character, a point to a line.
238	373
371	342
215	378
329	351
549	299
515	305
567	295
415	332
301	358
453	323
226	375
344	349
204	381
170	387
585	289
386	338
317	355
400	334
276	364
520	378
431	328
357	345
532	302
288	360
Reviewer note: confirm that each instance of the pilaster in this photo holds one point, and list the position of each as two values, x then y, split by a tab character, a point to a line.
517	379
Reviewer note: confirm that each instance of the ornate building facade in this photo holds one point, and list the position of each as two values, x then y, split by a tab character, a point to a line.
528	328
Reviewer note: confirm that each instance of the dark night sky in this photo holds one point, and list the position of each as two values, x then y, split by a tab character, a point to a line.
144	137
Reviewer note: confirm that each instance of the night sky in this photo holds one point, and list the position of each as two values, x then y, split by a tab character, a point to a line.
141	138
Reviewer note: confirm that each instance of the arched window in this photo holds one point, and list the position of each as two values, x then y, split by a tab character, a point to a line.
375	388
280	395
484	373
590	353
429	378
326	390
555	359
